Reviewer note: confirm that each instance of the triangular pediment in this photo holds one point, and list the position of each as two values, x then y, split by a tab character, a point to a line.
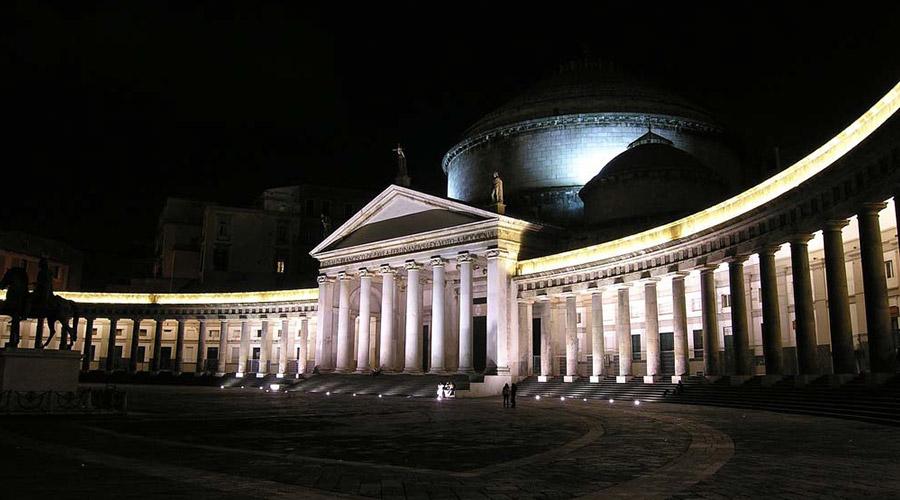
399	212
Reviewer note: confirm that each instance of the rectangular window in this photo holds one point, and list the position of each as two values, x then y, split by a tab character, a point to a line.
889	269
220	258
259	333
279	266
144	332
635	347
120	332
726	300
698	344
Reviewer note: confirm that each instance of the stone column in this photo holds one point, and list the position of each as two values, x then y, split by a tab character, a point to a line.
413	362
265	348
223	347
201	347
365	316
466	340
838	298
771	325
244	350
157	344
304	340
386	349
524	352
571	339
88	340
679	328
135	343
111	344
710	321
179	347
882	355
623	334
497	312
651	329
598	341
804	317
324	325
740	330
287	347
344	342
437	315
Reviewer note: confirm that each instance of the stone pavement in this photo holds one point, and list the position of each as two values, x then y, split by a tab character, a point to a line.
209	443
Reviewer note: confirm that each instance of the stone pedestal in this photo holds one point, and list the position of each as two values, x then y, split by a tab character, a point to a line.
543	378
595	379
569	378
39	370
651	379
678	378
622	379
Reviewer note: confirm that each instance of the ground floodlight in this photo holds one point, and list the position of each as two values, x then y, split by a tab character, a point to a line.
221	387
537	397
637	402
562	398
611	401
328	393
274	387
585	400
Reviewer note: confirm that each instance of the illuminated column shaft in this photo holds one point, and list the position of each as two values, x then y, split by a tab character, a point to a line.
710	321
739	329
466	340
571	337
838	298
362	344
324	325
498	297
413	362
771	326
179	347
386	350
244	351
303	352
135	343
223	348
344	342
201	347
882	354
651	328
679	326
287	346
157	345
437	316
111	345
88	340
804	316
623	332
265	348
598	342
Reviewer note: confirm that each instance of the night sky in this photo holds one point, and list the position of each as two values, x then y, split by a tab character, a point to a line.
111	107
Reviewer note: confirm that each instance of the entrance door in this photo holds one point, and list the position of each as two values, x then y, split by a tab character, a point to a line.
536	345
667	353
479	337
426	349
212	358
165	358
254	360
117	358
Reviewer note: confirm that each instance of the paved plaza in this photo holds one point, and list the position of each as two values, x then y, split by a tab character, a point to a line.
181	442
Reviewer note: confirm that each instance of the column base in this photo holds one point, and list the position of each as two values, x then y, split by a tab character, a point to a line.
595	379
465	371
279	375
678	378
409	372
239	375
438	372
569	378
363	371
543	378
622	379
651	379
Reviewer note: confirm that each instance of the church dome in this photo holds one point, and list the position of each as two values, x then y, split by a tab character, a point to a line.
651	183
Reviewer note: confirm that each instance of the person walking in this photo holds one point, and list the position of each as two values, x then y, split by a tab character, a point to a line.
506	395
512	395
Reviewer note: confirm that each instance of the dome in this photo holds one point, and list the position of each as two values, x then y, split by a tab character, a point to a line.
589	87
651	183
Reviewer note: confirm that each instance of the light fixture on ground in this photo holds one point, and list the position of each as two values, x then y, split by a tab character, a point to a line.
275	387
637	402
328	393
611	401
537	397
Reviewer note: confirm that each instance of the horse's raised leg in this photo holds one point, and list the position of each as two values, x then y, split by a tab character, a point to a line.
52	326
39	334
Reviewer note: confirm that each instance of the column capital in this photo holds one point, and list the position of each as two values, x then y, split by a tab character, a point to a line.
364	273
465	258
323	279
800	239
872	207
496	253
769	249
737	259
835	224
708	269
386	269
680	275
344	276
412	265
437	262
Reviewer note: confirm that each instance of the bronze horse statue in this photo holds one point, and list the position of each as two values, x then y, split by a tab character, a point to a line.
21	305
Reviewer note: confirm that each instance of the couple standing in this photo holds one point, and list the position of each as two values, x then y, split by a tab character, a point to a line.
509	396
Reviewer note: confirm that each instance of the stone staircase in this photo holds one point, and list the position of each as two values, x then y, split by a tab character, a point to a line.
582	388
384	384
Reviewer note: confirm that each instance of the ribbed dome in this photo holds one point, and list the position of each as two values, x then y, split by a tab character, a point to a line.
589	87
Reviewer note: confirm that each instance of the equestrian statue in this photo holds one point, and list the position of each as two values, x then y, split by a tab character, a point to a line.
39	304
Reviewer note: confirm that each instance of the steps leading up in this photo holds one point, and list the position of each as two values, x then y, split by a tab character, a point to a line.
386	384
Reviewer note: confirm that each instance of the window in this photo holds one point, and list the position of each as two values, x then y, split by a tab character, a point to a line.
258	333
726	300
635	347
144	332
279	266
120	332
698	344
889	269
220	258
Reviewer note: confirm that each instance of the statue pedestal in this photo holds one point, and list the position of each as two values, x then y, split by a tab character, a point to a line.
39	370
500	208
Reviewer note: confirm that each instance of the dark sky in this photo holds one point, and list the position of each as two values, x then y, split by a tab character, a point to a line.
111	107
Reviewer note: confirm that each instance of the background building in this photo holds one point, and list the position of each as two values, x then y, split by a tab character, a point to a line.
23	249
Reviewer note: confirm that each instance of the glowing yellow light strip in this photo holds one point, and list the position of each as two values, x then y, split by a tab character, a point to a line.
301	295
750	199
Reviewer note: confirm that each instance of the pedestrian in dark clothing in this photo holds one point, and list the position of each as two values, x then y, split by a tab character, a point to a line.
512	395
506	395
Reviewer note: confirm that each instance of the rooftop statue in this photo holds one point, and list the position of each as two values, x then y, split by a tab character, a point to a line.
497	191
40	304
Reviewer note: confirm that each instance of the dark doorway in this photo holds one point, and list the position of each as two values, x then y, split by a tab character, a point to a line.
212	358
729	354
117	358
479	349
666	353
254	361
426	348
536	344
141	354
165	358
